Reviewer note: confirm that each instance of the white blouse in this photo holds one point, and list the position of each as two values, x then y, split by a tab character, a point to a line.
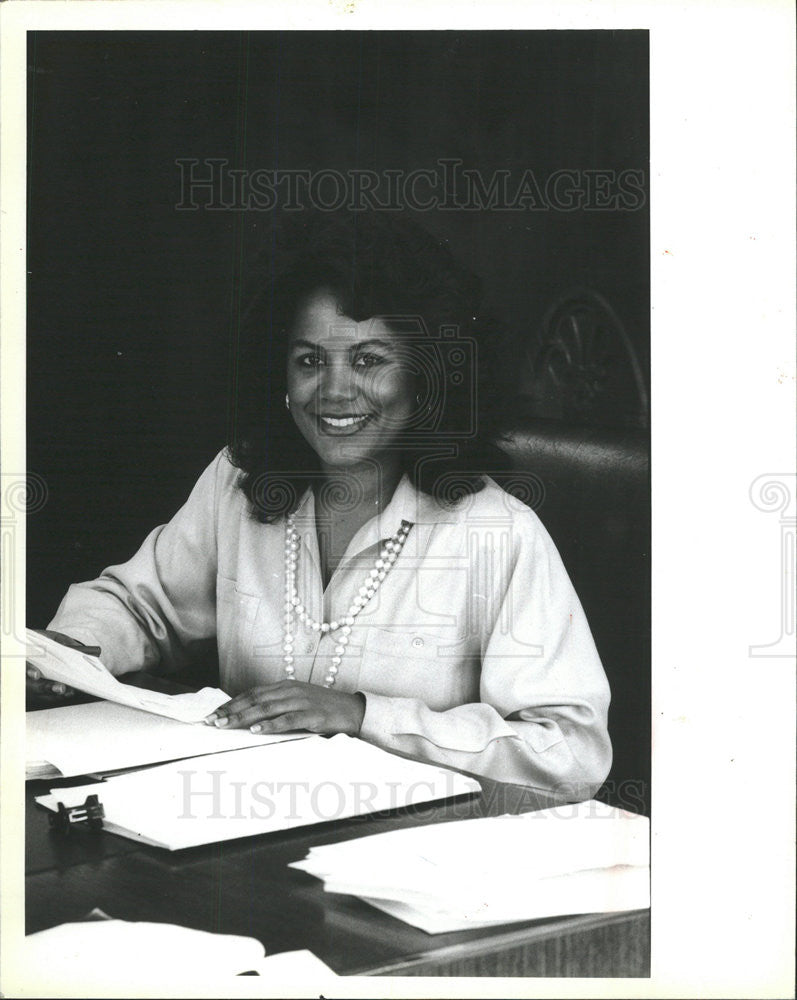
474	653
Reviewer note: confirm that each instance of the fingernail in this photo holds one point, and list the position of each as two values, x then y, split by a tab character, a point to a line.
34	674
211	719
222	722
255	729
59	689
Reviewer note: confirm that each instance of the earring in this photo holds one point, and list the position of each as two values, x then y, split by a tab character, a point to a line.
287	401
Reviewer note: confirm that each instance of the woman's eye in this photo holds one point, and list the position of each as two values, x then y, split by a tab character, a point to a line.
309	360
368	360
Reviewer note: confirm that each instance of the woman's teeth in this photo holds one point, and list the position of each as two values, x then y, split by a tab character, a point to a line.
343	421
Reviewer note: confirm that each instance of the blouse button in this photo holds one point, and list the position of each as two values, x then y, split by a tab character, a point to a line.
417	642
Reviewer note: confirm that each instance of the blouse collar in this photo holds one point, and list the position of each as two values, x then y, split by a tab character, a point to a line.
407	504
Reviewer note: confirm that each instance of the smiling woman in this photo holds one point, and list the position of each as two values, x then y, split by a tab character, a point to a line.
362	316
357	567
350	387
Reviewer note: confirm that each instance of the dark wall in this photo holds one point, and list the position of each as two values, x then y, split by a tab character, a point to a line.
132	304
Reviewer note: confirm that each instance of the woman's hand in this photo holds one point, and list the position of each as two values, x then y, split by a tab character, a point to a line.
40	692
287	705
43	693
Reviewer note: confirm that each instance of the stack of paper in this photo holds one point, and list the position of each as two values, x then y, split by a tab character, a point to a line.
584	858
87	673
114	949
262	789
104	736
108	953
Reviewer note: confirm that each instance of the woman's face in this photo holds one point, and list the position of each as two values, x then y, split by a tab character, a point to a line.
350	384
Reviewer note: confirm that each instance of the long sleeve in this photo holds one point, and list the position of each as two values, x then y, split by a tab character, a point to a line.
150	610
542	715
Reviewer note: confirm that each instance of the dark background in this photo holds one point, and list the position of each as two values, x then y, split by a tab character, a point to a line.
133	305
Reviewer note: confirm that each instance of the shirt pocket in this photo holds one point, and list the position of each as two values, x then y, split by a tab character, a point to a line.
416	664
236	611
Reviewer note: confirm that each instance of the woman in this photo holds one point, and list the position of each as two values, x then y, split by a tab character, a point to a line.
359	573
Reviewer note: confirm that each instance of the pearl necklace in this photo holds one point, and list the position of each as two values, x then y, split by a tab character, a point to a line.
295	609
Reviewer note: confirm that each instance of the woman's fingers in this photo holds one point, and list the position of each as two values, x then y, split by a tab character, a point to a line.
262	711
40	688
230	708
47	689
256	705
289	721
42	685
291	705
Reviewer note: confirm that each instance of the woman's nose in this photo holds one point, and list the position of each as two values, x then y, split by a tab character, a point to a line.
337	382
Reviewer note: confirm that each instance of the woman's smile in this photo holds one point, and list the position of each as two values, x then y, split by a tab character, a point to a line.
348	424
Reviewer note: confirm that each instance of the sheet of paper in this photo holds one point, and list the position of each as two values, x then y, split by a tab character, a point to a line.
295	968
111	951
105	736
89	674
605	891
533	845
262	789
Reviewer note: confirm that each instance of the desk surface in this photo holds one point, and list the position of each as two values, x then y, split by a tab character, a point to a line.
245	887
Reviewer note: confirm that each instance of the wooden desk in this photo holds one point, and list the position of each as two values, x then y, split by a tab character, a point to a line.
245	887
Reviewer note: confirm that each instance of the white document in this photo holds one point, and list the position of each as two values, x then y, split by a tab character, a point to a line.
533	845
108	952
87	673
581	858
105	736
606	890
246	792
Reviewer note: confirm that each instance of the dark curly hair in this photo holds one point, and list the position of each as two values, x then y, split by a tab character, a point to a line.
377	264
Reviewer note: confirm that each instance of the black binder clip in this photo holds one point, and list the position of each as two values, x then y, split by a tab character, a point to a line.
91	813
